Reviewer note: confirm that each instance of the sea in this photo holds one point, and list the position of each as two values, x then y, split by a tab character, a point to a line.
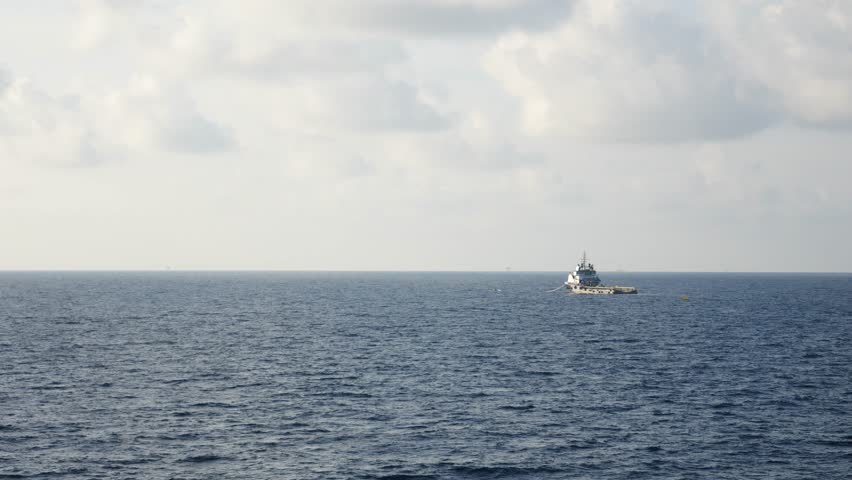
321	375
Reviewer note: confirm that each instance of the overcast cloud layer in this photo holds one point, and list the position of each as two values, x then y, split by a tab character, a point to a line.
426	134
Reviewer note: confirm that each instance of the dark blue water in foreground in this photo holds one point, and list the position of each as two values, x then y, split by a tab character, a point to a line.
458	376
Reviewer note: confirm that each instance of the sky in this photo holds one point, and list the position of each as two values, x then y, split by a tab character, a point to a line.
678	135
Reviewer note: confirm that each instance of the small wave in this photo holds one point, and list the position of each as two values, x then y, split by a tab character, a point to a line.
343	394
503	472
203	458
723	405
542	373
582	445
379	418
296	425
48	474
517	407
613	408
400	476
17	439
168	438
132	461
178	381
245	385
781	403
416	427
213	405
834	443
746	392
49	387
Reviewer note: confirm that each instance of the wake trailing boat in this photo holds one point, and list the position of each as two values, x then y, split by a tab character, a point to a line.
584	279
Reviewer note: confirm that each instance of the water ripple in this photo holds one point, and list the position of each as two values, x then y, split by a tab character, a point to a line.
422	376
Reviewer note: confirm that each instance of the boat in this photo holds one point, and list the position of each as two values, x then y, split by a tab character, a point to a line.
584	279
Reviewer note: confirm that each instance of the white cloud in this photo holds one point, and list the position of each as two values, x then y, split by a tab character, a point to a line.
272	54
626	72
35	126
92	129
418	17
150	115
100	22
369	104
300	123
337	80
324	158
647	72
800	51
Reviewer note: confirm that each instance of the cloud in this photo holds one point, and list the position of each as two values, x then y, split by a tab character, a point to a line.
800	51
35	126
370	103
375	121
324	157
100	22
626	72
415	17
150	115
453	151
650	72
330	80
206	47
89	130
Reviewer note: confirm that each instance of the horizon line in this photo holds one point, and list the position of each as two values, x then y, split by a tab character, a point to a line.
252	270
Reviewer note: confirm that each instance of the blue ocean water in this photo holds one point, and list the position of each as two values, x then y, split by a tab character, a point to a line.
424	375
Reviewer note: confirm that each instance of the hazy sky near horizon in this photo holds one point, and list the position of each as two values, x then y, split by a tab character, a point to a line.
426	134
